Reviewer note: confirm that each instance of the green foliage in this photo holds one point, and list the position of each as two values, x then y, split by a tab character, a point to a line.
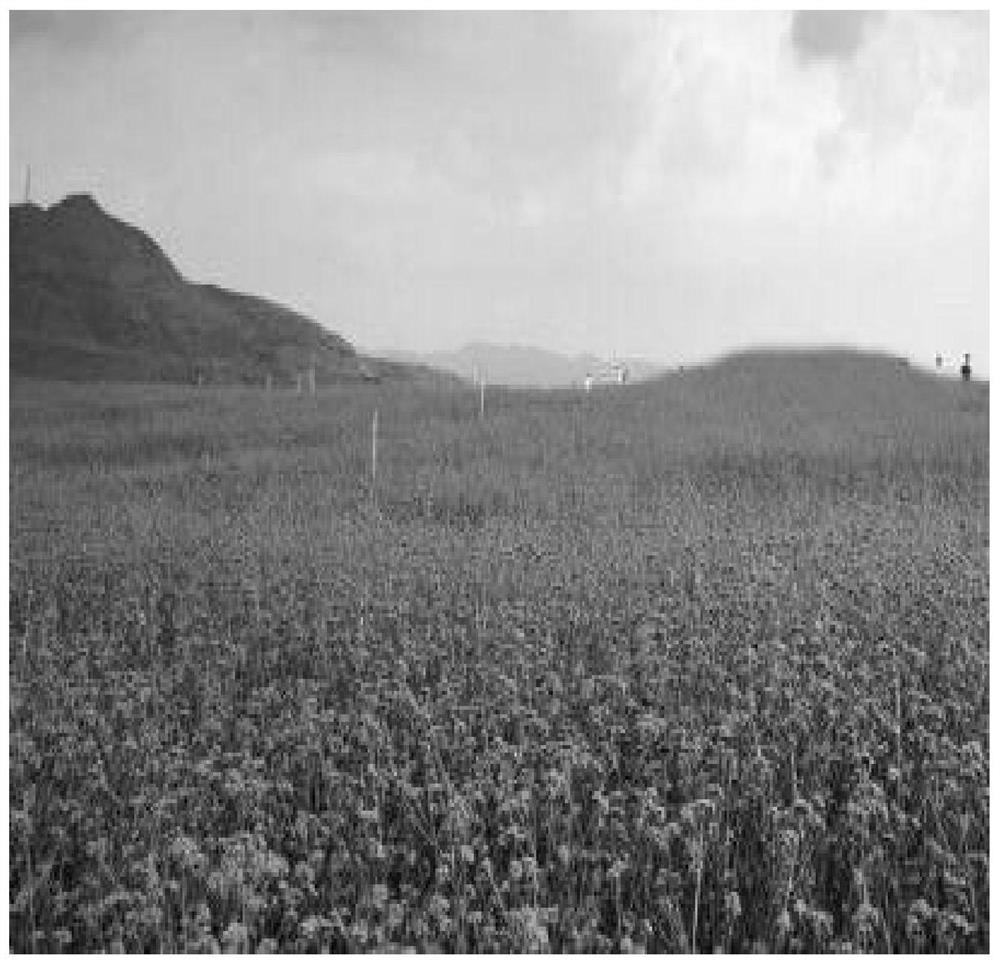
659	670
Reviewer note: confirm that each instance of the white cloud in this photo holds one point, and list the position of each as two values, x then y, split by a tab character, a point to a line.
737	128
665	178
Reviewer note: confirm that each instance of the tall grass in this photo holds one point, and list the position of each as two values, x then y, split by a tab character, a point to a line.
688	666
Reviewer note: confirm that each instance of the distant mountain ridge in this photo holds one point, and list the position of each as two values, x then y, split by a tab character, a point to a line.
92	297
523	366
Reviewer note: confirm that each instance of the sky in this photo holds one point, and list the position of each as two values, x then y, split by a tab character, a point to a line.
670	185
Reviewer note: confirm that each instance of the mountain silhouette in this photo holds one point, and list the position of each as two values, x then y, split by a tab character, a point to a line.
523	366
92	297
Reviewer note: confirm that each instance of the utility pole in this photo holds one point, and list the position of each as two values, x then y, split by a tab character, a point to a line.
27	186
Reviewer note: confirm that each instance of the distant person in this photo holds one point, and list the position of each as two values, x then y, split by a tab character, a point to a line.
966	367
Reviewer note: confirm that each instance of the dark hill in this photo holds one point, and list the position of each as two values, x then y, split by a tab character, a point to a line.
92	297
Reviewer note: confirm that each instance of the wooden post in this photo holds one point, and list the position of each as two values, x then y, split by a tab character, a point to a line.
298	382
374	450
268	382
482	397
312	380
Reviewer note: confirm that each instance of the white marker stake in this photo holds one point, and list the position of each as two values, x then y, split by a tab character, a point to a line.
374	449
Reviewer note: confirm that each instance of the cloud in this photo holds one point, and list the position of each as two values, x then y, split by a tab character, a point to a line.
910	142
76	31
603	176
727	118
734	130
829	34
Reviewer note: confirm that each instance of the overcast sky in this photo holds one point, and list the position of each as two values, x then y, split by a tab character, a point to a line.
671	185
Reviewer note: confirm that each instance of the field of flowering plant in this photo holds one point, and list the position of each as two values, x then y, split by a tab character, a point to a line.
700	665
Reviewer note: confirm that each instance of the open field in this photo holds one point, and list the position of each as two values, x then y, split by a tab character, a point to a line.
699	664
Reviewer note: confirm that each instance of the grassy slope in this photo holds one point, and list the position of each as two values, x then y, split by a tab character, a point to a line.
654	644
93	298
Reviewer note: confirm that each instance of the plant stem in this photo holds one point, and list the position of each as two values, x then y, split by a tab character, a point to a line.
899	740
31	900
697	890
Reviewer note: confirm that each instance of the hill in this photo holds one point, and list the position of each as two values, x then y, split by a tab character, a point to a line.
522	366
92	297
840	383
811	399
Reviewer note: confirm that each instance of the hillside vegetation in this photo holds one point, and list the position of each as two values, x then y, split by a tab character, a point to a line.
93	298
699	664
